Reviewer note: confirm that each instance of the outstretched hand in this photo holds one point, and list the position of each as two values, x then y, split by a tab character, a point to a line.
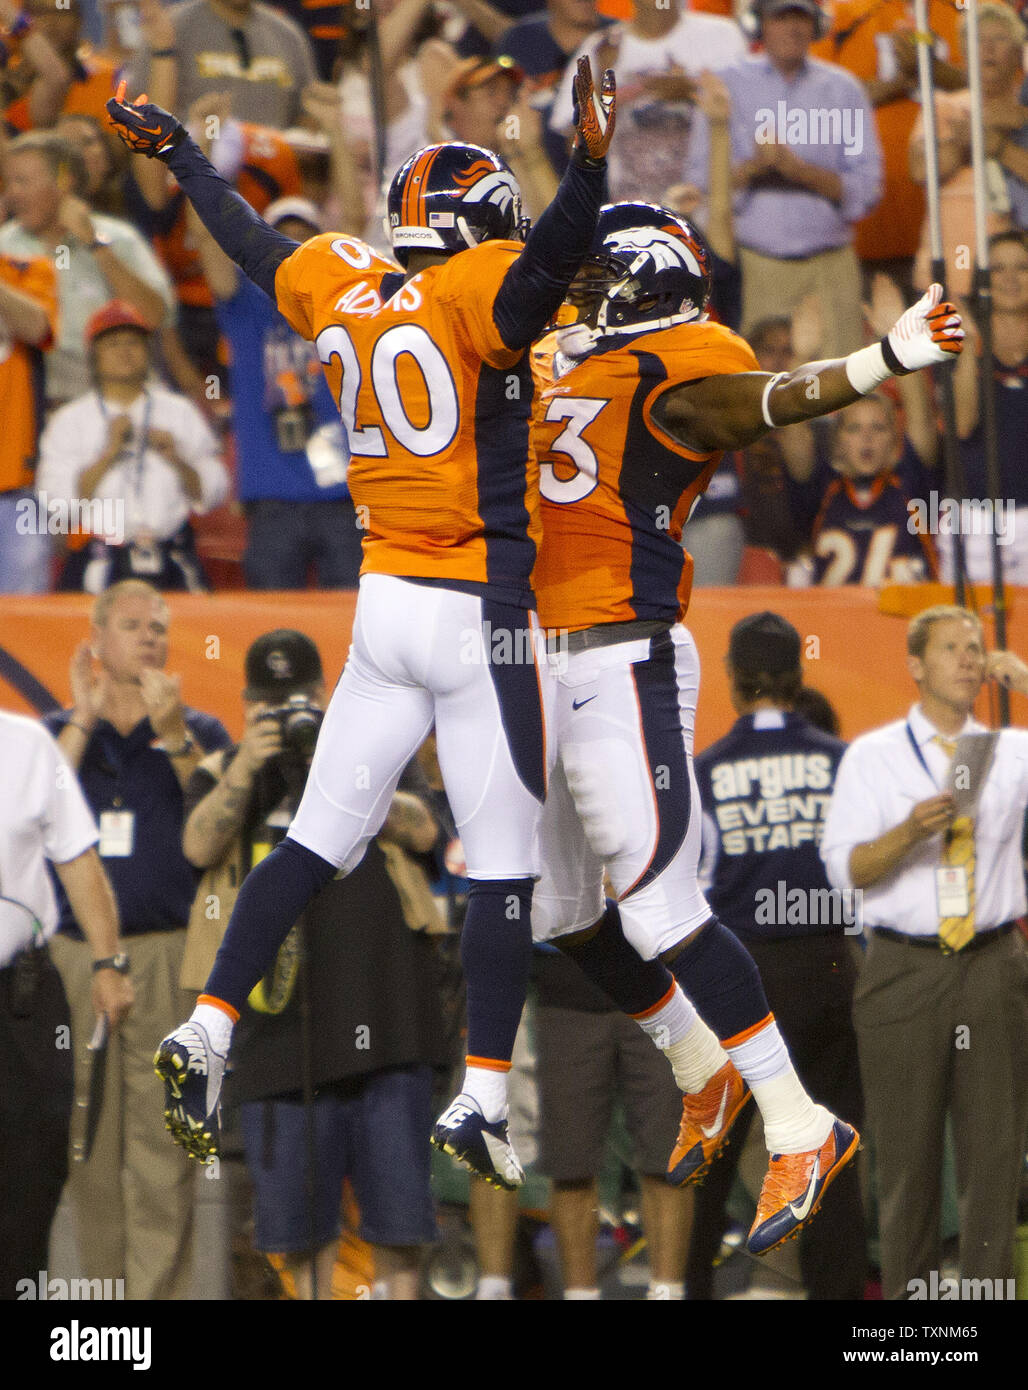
930	331
145	128
594	114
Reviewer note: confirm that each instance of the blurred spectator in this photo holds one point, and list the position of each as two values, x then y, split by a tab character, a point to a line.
1008	253
28	318
542	45
105	162
97	257
657	55
290	449
807	167
43	816
134	746
92	75
254	52
855	500
941	1004
874	40
144	456
347	1012
34	78
713	535
769	521
1001	39
803	956
478	96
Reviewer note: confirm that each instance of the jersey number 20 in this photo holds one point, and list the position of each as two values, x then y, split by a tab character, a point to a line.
439	391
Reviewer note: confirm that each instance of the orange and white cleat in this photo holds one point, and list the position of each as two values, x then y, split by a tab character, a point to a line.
795	1185
707	1119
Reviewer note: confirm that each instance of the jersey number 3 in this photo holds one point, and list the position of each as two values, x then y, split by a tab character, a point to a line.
405	339
578	412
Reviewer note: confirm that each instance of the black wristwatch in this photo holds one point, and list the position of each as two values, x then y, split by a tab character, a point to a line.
120	962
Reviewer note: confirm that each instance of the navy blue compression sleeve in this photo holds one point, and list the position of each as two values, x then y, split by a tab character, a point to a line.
534	287
257	249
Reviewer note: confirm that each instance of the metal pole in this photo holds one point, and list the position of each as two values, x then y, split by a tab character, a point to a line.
983	313
376	82
954	473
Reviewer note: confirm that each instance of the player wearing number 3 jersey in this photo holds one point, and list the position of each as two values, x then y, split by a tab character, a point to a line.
635	403
430	371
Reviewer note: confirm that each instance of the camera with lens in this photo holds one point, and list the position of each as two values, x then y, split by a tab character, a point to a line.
298	721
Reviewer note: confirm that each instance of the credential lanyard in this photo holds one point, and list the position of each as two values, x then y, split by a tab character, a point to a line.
921	757
144	434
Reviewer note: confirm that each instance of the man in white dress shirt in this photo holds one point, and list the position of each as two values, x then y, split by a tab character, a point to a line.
43	816
142	458
941	1006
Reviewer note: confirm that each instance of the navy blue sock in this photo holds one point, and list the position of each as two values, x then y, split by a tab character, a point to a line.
633	984
720	977
496	953
273	895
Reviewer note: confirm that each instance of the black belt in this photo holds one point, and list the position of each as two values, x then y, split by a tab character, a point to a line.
605	635
935	943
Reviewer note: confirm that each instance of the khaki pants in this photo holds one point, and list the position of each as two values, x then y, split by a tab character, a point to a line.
133	1200
942	1034
772	287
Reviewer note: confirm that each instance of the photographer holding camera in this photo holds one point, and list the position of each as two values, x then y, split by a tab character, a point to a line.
332	1058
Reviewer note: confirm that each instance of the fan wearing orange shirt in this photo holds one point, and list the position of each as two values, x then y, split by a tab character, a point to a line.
429	366
28	322
636	402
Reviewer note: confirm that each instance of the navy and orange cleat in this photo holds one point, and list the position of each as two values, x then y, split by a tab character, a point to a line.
795	1185
707	1119
484	1149
192	1073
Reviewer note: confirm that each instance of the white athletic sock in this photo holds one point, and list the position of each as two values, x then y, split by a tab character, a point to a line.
689	1045
792	1122
581	1295
488	1089
493	1287
663	1291
216	1024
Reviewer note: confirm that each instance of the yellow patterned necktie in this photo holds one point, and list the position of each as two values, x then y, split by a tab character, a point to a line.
956	932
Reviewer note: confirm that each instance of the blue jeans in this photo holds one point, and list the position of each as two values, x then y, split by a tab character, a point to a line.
285	538
24	554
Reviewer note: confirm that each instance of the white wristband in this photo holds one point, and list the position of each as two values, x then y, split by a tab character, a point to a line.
866	369
763	400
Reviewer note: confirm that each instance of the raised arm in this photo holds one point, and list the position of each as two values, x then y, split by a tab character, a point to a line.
257	249
730	412
534	287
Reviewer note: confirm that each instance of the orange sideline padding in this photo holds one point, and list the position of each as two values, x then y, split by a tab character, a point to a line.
853	653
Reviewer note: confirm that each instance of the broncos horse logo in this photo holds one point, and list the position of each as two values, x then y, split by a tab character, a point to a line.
667	247
482	182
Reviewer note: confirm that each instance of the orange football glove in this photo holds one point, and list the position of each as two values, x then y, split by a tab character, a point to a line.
145	128
594	115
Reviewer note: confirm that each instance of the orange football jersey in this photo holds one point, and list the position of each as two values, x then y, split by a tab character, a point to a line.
21	369
434	405
615	488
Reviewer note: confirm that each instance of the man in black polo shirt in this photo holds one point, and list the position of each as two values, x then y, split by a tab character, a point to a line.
134	745
765	789
343	1032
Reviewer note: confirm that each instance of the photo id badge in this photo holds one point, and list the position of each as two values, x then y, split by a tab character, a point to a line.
951	891
117	832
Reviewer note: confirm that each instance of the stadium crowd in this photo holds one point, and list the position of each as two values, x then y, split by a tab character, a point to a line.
166	429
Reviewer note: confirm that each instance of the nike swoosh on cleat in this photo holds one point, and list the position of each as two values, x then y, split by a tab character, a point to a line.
802	1211
709	1133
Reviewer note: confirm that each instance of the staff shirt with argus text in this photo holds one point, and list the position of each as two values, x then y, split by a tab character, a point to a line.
765	789
132	775
43	816
879	782
21	371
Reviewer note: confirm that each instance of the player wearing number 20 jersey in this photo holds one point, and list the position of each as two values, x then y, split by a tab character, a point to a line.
435	406
428	367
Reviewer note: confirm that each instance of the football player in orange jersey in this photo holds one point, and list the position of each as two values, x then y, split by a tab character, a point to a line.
429	366
636	401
